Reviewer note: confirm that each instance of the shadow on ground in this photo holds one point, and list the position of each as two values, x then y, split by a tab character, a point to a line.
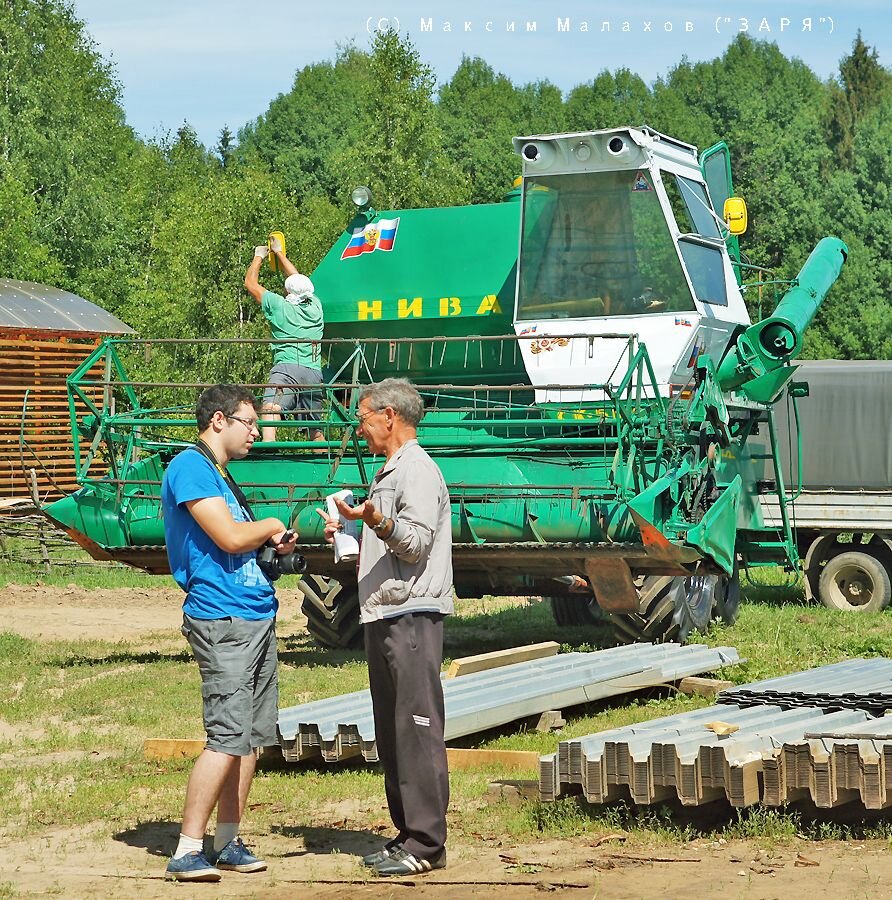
320	840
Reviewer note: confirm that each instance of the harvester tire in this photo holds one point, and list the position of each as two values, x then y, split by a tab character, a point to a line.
575	610
727	597
670	608
332	612
653	621
854	582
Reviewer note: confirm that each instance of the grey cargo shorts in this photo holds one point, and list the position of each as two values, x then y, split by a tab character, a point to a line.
282	389
239	681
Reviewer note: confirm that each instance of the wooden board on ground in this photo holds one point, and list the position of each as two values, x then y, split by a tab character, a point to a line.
484	661
171	748
461	758
703	687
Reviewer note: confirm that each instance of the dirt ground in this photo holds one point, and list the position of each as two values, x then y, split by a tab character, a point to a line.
92	862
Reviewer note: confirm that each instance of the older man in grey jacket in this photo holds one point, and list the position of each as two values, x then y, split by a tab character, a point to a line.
405	591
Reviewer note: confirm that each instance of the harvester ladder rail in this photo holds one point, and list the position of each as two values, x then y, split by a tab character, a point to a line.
350	429
789	539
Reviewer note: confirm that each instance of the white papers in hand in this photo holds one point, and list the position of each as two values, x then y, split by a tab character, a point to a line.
346	541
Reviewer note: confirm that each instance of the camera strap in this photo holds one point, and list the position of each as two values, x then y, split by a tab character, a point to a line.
231	483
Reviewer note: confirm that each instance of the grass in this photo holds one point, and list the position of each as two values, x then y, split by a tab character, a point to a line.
74	714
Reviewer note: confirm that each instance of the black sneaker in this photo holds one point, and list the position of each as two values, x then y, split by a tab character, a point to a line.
374	858
400	862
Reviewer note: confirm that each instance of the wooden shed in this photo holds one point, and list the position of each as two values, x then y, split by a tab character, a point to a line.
45	333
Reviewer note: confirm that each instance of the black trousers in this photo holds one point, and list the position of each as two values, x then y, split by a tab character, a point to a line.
405	654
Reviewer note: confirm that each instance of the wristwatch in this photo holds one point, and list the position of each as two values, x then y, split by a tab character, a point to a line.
383	526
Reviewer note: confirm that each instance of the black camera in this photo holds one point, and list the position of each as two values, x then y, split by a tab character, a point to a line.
274	565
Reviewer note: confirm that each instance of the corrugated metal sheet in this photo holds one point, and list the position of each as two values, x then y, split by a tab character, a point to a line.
860	675
835	765
26	306
779	752
680	756
342	727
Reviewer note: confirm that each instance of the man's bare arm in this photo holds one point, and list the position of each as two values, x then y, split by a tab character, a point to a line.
252	276
213	515
275	247
288	267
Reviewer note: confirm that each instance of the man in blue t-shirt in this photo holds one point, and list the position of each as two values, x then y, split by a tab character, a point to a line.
297	317
229	620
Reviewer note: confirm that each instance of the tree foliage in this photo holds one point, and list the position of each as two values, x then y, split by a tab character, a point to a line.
160	232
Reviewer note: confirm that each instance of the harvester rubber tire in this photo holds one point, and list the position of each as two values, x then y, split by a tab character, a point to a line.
695	600
670	608
727	598
653	621
575	610
854	581
332	612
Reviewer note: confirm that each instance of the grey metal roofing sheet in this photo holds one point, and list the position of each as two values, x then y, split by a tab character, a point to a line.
28	305
678	755
852	676
343	726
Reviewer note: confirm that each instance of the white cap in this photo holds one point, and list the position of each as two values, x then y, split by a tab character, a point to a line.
299	285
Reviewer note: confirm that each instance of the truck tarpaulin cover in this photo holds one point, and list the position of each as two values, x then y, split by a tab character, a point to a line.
846	426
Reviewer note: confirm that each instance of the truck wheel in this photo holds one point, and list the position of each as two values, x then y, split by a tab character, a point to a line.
669	609
332	612
854	582
575	610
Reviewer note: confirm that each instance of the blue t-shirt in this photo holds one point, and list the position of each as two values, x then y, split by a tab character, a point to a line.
217	583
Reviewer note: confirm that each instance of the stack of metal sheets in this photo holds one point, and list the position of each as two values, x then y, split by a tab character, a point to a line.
864	684
830	749
343	727
684	756
832	766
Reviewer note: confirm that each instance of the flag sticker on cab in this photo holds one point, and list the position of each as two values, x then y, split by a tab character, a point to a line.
379	235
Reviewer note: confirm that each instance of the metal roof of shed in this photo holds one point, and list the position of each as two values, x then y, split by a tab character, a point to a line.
29	306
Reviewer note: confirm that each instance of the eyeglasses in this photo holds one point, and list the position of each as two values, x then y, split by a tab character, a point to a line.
361	417
250	424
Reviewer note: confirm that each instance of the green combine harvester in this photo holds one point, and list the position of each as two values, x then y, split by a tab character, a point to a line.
591	378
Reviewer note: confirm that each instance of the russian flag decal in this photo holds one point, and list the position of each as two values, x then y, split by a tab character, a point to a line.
379	235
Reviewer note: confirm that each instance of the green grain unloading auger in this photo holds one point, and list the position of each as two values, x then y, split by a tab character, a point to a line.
591	378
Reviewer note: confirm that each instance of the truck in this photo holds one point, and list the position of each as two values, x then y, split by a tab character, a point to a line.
591	377
839	494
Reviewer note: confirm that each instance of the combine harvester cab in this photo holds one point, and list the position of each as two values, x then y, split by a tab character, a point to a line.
589	392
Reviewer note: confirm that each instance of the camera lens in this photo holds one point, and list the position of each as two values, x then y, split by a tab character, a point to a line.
291	564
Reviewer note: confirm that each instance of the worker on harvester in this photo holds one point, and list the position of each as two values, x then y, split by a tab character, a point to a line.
295	317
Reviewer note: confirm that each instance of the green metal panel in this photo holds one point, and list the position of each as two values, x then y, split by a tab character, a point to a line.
451	272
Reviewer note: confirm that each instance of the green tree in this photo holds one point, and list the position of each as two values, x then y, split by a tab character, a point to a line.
305	130
863	83
855	321
611	99
62	135
402	157
481	112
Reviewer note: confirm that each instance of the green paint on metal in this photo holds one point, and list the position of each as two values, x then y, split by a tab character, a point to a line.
716	533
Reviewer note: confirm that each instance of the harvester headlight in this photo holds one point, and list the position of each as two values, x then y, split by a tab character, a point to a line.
362	197
616	145
531	152
582	151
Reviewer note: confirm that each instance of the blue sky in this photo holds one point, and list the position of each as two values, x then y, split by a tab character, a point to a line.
220	62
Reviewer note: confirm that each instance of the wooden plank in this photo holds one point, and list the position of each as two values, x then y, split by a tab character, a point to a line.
172	748
483	661
703	687
461	758
458	758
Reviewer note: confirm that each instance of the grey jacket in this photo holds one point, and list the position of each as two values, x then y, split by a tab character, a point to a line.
410	571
